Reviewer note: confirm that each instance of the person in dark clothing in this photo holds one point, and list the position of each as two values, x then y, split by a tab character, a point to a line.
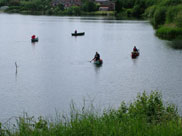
96	57
135	49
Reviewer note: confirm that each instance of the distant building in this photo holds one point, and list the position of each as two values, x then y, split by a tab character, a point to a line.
106	5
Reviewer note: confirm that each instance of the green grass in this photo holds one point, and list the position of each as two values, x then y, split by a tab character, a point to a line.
168	32
102	13
146	116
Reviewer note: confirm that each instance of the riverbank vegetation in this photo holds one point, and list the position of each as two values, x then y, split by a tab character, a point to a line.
165	15
147	115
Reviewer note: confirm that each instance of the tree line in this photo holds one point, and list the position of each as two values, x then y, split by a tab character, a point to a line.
47	7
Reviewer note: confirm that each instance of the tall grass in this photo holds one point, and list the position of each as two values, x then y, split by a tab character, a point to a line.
146	116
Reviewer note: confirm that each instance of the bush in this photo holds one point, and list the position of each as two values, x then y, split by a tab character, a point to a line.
159	16
89	6
74	10
152	108
172	13
149	12
178	19
167	32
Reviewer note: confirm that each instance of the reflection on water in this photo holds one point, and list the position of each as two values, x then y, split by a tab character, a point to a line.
97	68
176	44
135	60
33	43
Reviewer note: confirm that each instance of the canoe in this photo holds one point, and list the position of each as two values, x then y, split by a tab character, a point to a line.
35	40
135	54
98	62
78	34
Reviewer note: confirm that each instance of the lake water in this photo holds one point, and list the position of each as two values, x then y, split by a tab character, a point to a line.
56	70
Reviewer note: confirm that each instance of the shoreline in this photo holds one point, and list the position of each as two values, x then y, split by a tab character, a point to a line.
165	33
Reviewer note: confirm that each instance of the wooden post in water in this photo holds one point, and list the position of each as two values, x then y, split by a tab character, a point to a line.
16	67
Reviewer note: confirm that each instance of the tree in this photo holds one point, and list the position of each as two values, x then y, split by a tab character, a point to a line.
159	16
89	6
118	6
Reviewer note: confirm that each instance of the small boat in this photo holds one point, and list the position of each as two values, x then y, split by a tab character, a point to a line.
98	62
35	39
135	54
78	34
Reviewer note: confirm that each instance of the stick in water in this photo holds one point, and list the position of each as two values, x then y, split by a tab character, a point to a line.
16	66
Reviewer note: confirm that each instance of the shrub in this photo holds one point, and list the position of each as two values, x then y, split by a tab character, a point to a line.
74	10
149	12
152	108
178	19
167	32
159	16
172	13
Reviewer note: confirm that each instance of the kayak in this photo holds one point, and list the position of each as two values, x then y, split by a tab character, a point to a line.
35	40
98	62
78	34
135	54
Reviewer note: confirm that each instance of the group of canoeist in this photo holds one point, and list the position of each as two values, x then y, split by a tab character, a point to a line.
99	61
96	58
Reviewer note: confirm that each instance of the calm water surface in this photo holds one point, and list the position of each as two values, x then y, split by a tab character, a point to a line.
56	70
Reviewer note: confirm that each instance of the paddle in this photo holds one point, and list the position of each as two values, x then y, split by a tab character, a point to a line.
91	60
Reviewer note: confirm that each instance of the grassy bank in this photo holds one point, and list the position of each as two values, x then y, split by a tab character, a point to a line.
146	116
169	32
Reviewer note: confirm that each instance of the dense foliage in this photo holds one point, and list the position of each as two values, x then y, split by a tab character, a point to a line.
146	116
165	15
